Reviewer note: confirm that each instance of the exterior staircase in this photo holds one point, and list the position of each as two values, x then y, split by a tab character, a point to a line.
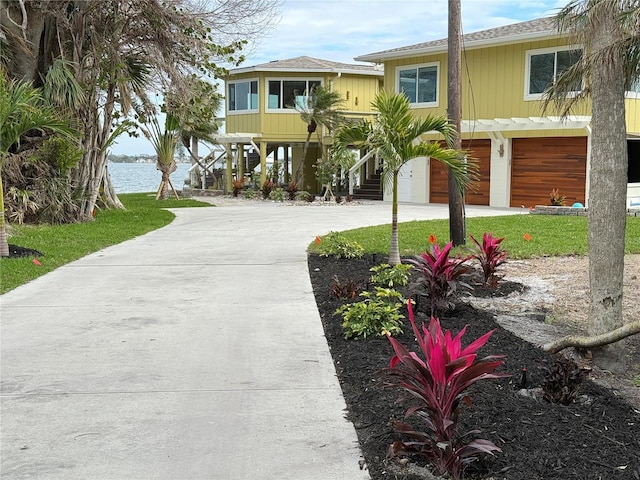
370	188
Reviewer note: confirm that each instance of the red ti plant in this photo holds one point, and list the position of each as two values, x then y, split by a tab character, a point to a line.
437	382
491	256
440	274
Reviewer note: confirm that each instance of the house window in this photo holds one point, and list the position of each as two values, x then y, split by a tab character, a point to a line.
243	96
545	66
286	94
419	83
634	89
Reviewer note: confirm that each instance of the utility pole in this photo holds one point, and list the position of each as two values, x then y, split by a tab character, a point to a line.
457	226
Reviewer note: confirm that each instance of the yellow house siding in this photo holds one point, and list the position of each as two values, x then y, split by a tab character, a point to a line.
493	84
286	126
632	106
362	90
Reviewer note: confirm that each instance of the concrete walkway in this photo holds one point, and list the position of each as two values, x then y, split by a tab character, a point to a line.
192	352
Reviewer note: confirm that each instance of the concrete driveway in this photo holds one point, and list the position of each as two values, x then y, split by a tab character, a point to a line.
192	352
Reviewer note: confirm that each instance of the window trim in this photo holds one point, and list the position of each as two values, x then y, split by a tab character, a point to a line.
416	66
541	51
285	79
249	110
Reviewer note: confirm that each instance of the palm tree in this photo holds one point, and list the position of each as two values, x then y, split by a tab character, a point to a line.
164	143
22	109
609	66
320	109
395	137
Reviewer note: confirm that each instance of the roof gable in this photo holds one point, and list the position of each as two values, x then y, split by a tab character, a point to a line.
514	33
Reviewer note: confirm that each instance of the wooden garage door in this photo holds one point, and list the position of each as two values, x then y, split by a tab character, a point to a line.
540	165
479	194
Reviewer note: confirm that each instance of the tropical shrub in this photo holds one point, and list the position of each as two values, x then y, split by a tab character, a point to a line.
561	381
277	195
249	193
348	289
439	274
238	185
292	189
378	314
390	276
556	199
305	196
437	382
490	256
337	245
266	188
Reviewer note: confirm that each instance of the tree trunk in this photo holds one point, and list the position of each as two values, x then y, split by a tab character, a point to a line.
457	227
92	166
394	249
109	196
616	335
607	194
23	23
300	171
4	245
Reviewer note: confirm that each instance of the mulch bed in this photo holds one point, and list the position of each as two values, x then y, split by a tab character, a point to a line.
597	437
17	252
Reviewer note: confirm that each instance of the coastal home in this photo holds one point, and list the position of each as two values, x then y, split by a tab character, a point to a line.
261	121
523	153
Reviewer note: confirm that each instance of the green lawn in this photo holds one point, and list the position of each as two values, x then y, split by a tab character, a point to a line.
62	244
549	235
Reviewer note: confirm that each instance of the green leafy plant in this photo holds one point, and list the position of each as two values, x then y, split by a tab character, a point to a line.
306	196
348	289
440	274
266	188
561	380
249	193
390	276
437	383
336	245
378	314
490	256
277	195
556	199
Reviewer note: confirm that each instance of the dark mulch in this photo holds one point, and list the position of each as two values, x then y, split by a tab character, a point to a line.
597	437
17	252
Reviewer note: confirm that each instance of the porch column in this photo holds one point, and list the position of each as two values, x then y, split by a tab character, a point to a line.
228	184
263	163
240	167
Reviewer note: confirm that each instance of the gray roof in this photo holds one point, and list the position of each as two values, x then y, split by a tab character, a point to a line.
517	32
311	65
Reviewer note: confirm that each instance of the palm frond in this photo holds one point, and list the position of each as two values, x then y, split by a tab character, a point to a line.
22	108
61	87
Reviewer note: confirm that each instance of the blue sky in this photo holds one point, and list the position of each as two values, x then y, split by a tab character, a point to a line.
340	30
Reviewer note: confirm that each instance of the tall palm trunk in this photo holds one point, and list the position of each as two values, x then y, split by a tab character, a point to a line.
4	245
608	173
394	249
300	172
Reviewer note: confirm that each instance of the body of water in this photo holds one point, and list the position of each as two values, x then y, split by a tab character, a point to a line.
143	177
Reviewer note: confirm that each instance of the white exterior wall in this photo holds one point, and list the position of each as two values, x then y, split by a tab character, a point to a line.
413	182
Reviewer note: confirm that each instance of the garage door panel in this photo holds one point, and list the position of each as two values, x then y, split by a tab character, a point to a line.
540	165
480	151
